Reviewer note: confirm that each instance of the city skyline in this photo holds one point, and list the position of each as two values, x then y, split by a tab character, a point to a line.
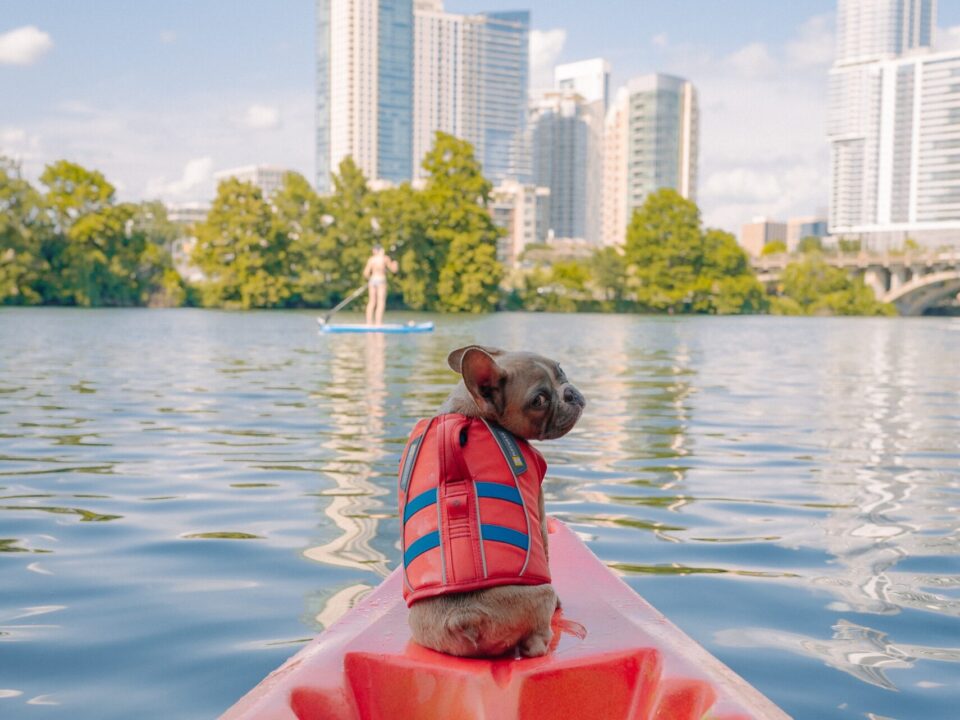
172	96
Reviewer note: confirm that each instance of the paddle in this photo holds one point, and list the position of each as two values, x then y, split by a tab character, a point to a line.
350	298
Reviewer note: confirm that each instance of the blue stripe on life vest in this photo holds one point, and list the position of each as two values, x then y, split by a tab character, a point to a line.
502	534
424	499
421	545
499	491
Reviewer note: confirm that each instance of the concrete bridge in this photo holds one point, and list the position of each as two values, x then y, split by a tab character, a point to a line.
913	281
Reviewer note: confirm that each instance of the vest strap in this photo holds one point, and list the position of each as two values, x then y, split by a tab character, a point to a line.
509	447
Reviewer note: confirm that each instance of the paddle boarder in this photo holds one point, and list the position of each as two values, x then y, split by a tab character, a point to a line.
375	272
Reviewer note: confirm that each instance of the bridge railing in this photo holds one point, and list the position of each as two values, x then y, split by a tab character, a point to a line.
862	261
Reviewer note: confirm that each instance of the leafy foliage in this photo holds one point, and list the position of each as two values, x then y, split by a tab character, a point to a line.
24	231
673	265
810	243
812	287
461	229
244	260
774	247
74	245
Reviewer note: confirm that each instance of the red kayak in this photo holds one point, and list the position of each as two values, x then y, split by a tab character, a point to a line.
613	657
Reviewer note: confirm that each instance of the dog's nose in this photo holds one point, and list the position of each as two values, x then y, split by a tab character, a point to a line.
573	396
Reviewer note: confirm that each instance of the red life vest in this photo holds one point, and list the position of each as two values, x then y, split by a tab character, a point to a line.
469	508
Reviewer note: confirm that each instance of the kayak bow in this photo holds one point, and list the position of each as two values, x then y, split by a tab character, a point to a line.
613	657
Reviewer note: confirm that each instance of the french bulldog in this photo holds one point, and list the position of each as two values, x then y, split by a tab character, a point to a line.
531	397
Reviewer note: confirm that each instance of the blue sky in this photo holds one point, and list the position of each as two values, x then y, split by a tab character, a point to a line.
159	95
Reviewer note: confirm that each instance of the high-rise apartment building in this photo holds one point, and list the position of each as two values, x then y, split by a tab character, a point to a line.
893	123
495	109
651	141
438	76
567	136
364	108
523	211
470	80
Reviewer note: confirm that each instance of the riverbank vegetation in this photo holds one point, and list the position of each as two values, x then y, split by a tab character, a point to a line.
72	243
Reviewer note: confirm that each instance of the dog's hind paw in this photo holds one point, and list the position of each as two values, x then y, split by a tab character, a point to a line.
535	645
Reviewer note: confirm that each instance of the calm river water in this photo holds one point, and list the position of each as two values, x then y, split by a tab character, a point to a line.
187	496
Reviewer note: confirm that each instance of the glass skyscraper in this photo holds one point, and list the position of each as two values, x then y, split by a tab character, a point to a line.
364	107
470	80
497	58
567	134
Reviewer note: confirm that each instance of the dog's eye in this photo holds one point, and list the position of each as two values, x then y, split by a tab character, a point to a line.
539	401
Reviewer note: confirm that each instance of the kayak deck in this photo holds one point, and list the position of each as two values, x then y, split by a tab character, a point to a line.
613	657
389	328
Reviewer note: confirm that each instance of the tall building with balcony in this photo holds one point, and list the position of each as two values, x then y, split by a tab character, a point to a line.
893	125
470	80
364	86
438	76
651	141
523	212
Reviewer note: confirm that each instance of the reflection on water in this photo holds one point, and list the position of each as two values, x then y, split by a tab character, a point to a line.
357	411
183	492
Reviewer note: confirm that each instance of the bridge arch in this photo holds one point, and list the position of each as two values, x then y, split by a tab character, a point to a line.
924	291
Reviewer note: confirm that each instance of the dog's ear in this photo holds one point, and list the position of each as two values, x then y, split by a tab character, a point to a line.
455	359
484	379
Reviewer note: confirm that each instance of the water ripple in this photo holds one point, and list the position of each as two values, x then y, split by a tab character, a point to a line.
786	490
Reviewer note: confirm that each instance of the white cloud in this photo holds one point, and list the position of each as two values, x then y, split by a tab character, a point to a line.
948	38
168	37
753	61
195	181
763	147
660	40
11	136
18	144
24	46
545	49
813	46
262	117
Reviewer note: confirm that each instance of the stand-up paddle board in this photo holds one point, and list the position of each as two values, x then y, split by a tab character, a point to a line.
389	328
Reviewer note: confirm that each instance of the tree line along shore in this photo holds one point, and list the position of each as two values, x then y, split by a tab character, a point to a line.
72	243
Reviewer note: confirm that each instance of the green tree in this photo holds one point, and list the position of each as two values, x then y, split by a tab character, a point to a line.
460	227
300	218
674	266
348	232
811	286
849	246
774	247
809	244
663	251
726	283
609	274
160	285
100	252
244	260
24	230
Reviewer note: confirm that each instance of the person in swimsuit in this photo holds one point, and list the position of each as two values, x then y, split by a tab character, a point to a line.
376	274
